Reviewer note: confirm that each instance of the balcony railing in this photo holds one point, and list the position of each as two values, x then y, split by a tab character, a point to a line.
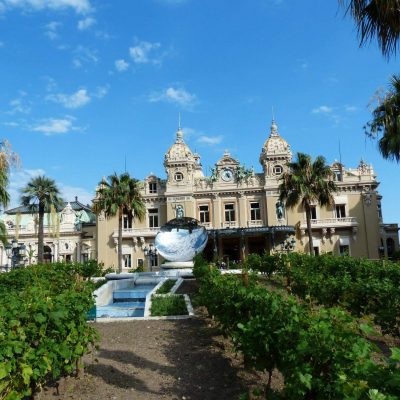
334	222
130	232
28	230
257	222
230	224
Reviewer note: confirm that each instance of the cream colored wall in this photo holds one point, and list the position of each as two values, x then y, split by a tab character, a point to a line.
105	244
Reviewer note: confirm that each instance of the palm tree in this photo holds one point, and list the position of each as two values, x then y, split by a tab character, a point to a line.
386	121
8	158
307	182
376	18
120	195
39	195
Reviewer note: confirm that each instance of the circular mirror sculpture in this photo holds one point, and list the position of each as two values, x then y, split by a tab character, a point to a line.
180	239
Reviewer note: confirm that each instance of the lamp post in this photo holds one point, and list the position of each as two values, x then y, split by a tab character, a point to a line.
288	244
151	253
16	252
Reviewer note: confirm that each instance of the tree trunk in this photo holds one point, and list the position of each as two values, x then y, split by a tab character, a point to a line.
309	231
40	234
120	216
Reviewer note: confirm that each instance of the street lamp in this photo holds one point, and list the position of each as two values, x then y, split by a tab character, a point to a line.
288	244
151	252
16	252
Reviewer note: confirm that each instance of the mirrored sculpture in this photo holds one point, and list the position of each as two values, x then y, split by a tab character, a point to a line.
180	239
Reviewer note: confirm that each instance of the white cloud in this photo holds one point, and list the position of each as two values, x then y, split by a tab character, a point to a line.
51	83
68	193
121	65
20	104
322	110
86	23
351	108
84	55
11	124
52	30
101	91
75	100
210	140
54	126
177	96
20	177
79	6
145	52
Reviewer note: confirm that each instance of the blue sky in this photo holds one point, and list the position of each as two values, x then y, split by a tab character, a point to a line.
85	83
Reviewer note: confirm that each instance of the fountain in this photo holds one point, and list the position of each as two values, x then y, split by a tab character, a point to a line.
179	240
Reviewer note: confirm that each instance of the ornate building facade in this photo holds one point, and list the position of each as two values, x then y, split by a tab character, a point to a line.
242	213
68	233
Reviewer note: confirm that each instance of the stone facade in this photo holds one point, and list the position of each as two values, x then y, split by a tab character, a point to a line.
69	233
241	211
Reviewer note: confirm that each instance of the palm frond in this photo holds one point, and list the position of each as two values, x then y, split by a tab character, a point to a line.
378	19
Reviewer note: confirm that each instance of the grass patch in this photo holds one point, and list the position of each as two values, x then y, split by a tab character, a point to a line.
166	286
168	305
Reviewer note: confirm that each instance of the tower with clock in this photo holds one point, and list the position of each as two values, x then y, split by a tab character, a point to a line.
226	168
275	154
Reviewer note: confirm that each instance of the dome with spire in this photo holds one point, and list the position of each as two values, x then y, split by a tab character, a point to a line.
179	151
275	144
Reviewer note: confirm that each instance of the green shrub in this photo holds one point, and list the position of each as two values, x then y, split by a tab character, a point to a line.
168	305
166	286
43	327
359	285
318	350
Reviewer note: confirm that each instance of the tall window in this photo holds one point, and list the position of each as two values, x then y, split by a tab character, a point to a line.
127	258
126	223
153	187
204	213
229	212
153	218
337	175
313	210
340	211
255	212
154	261
380	211
344	250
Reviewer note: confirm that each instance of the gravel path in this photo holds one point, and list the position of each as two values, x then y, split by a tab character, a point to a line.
184	359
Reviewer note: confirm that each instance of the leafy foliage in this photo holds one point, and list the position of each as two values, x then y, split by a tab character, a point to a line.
39	195
361	286
166	286
168	305
376	19
43	328
386	121
117	196
318	350
306	182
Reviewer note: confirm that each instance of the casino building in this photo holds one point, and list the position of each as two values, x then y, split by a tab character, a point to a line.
241	211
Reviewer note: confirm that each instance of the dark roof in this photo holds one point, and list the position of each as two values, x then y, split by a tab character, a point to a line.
76	206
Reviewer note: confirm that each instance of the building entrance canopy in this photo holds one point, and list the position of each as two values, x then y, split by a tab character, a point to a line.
252	230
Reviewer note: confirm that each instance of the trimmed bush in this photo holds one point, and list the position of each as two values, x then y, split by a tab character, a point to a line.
43	327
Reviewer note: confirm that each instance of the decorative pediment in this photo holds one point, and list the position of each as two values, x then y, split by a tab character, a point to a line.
227	161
